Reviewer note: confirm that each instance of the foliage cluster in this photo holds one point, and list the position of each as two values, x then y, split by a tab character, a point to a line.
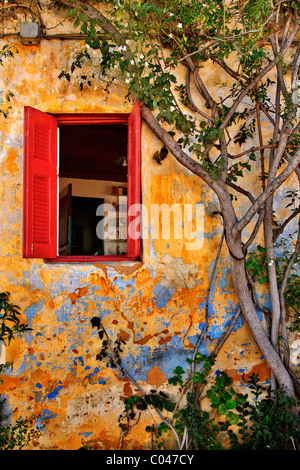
22	432
257	267
265	420
18	435
5	96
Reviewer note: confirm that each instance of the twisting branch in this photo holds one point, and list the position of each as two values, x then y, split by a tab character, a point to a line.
192	103
259	221
127	430
252	150
273	186
116	362
203	91
241	191
228	331
261	307
292	260
211	279
281	228
261	144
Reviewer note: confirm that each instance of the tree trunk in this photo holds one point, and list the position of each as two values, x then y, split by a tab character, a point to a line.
233	234
260	336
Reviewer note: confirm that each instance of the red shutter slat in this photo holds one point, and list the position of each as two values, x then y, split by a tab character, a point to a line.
40	185
134	157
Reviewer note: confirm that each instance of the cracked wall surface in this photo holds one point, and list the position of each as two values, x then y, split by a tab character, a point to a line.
156	305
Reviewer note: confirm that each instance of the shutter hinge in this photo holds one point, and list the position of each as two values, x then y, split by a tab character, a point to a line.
32	248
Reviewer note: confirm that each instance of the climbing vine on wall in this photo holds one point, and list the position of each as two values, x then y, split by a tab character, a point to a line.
215	130
19	434
265	420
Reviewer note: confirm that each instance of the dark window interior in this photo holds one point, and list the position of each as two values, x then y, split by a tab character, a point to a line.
90	152
84	221
93	152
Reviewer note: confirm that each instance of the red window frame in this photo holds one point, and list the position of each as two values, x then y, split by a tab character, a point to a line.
40	195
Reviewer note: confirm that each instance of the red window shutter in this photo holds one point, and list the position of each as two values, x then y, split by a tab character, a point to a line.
134	182
40	185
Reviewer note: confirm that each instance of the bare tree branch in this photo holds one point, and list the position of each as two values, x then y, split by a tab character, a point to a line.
282	299
273	186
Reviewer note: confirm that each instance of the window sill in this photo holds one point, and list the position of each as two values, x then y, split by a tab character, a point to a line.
90	259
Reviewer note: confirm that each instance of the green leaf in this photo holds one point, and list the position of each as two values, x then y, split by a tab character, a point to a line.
233	418
76	22
230	404
73	12
169	405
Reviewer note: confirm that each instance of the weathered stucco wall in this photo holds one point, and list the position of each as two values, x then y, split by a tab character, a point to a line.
156	305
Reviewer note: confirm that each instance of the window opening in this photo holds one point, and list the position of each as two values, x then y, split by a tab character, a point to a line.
92	190
98	157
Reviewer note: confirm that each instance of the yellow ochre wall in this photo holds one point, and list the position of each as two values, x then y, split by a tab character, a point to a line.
156	305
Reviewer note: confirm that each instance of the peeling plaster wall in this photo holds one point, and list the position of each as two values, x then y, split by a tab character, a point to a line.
156	305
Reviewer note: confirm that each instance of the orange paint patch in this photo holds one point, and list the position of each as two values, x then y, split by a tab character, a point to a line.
10	383
11	165
73	297
80	292
164	340
69	380
143	340
123	336
127	389
155	376
263	371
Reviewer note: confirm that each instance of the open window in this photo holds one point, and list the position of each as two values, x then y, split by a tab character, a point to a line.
81	181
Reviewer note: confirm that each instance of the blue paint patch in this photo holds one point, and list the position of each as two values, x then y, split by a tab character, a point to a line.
78	359
85	434
54	394
239	323
204	348
71	280
121	283
153	253
33	278
92	374
31	312
215	331
63	313
224	280
6	413
211	235
99	308
38	385
162	295
166	357
46	414
29	361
